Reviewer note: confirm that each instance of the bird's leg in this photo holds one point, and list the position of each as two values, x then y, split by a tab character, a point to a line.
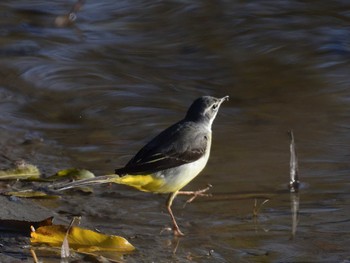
195	193
169	202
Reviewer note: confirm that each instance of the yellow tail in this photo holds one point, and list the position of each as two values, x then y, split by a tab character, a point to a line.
146	183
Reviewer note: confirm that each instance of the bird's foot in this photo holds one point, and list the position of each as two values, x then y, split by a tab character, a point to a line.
194	194
176	230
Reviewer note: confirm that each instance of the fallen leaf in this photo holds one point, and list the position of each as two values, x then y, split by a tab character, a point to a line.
23	171
30	194
72	174
79	239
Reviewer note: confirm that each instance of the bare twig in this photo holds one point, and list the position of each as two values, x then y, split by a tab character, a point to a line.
294	169
256	208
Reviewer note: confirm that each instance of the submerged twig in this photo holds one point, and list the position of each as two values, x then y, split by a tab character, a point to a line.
256	208
294	169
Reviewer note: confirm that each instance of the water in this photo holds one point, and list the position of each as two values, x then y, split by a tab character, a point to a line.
91	94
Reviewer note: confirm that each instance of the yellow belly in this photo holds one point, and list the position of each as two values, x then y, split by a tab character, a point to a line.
167	181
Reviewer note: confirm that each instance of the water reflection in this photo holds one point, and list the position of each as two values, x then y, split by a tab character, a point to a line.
294	202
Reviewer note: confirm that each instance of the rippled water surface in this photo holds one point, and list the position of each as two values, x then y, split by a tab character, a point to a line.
89	95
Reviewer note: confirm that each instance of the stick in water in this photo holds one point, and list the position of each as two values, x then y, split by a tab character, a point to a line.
294	170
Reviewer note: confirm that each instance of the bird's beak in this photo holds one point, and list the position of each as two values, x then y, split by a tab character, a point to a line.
223	99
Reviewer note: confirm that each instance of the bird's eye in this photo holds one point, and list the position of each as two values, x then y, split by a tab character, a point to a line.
215	106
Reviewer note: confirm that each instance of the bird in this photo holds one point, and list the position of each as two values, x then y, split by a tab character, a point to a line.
170	160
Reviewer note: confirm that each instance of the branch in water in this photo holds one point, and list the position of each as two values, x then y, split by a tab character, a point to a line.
294	170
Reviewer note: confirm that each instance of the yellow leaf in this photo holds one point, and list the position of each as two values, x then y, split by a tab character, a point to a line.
72	173
21	172
79	239
30	194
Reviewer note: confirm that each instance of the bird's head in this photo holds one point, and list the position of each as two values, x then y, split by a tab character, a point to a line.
205	109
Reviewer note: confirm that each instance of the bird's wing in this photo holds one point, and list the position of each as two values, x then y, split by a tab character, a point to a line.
179	144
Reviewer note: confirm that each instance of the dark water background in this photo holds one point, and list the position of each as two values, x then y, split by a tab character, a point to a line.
90	95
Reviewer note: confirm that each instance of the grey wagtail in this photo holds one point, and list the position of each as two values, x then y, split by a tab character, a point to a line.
172	159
